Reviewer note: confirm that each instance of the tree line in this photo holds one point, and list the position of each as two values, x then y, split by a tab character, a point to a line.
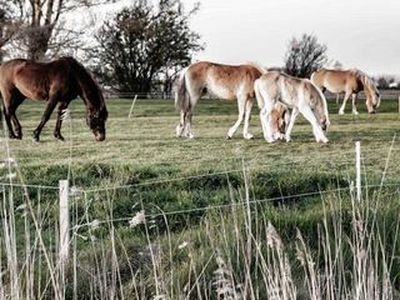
141	49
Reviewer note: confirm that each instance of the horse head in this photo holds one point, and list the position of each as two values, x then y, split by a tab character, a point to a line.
96	120
372	95
280	118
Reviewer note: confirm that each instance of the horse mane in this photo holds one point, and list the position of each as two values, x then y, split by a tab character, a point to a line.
91	91
364	78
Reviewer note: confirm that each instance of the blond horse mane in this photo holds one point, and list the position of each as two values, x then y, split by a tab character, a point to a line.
369	86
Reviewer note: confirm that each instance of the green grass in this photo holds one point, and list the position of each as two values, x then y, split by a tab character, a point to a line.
144	149
166	174
147	140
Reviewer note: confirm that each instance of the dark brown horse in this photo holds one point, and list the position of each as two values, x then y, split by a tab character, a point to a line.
58	83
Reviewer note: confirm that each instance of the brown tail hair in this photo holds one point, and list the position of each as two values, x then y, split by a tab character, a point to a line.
182	99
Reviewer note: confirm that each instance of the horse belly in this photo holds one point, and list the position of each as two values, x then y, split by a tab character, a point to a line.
221	91
32	93
334	88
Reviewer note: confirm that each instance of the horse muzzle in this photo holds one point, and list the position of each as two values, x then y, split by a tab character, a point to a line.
99	136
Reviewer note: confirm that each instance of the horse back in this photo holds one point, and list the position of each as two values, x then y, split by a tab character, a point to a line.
224	81
39	81
338	81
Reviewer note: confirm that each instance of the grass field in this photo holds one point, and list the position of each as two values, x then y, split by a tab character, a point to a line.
208	203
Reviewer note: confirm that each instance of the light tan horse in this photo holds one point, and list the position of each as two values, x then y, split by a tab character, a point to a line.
299	95
225	82
349	82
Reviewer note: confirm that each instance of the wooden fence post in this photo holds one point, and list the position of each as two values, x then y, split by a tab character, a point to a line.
398	102
64	226
358	170
133	104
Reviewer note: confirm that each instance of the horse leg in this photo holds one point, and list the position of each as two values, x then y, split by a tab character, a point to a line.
241	105
354	98
346	97
263	117
317	130
7	104
17	100
293	116
246	134
52	102
181	125
57	130
17	126
188	121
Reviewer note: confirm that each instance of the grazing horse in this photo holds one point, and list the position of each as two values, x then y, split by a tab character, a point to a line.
58	83
225	82
299	95
349	82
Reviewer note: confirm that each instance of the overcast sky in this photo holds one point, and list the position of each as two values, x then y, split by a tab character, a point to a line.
359	33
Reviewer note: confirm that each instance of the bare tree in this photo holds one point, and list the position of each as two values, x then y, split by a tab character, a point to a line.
304	56
42	28
10	23
384	81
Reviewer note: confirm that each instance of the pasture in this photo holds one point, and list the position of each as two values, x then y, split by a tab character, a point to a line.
207	201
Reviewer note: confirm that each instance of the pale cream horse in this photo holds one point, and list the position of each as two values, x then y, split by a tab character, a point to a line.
299	95
225	82
349	82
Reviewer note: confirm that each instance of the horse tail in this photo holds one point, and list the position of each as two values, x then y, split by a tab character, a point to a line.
182	98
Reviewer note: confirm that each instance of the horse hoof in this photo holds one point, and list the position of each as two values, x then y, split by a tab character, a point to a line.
59	137
341	112
270	140
323	141
228	137
248	136
355	113
36	139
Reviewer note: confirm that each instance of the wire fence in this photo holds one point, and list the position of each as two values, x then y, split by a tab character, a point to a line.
332	158
386	94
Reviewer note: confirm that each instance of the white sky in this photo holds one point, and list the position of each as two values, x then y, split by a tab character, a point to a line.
358	33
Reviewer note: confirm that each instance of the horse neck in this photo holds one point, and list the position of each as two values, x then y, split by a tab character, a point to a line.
90	93
368	89
322	106
92	102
